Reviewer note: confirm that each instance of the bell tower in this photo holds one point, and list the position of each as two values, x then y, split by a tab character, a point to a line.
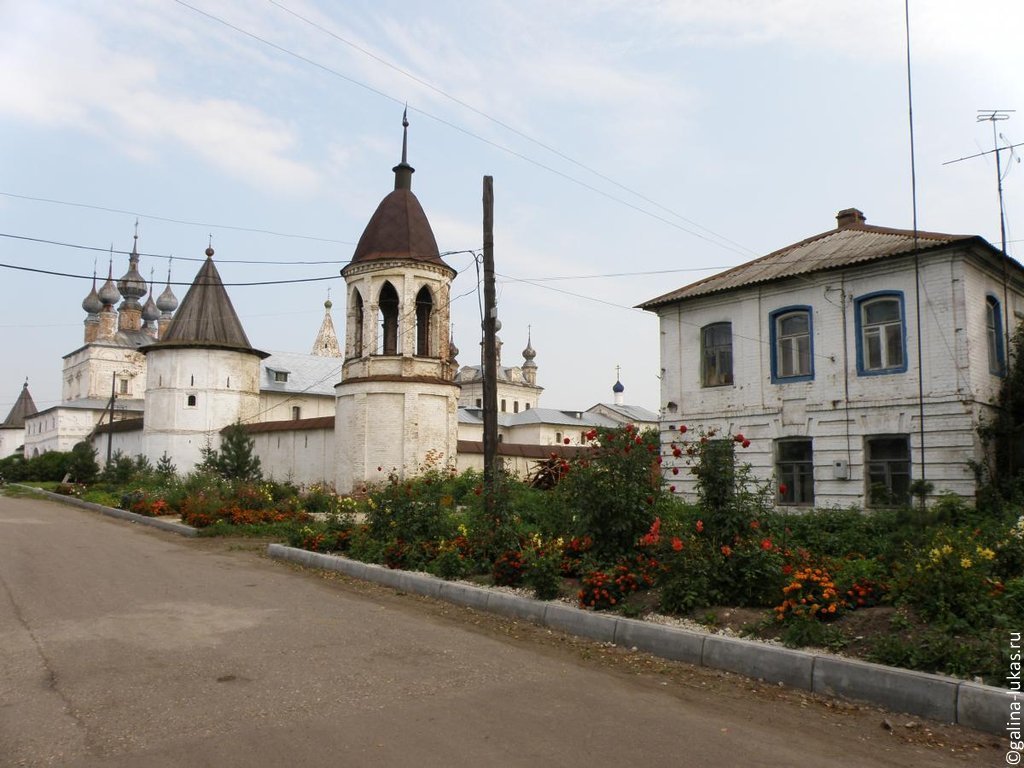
397	399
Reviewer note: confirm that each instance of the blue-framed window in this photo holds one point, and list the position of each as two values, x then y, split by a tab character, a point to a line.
792	344
994	329
881	325
716	354
794	469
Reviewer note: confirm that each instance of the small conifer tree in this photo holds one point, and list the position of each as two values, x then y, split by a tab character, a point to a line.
236	459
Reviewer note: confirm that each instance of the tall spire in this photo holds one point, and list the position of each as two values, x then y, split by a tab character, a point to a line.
404	171
326	344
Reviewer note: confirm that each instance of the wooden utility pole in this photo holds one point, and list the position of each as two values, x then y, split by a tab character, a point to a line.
490	359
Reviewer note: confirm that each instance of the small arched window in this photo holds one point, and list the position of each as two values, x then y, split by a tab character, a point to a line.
191	401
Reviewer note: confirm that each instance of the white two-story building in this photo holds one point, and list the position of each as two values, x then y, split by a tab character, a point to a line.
855	362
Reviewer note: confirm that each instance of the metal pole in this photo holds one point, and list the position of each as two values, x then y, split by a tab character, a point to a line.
490	361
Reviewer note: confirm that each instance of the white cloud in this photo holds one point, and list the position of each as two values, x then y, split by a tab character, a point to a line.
61	73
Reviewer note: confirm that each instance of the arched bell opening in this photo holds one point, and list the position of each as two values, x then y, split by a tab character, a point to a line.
355	319
425	346
387	314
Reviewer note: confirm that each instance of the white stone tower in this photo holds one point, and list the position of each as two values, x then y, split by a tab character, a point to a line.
397	399
201	376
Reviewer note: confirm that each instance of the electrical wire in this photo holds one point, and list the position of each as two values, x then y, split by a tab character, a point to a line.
460	129
503	124
154	217
91	277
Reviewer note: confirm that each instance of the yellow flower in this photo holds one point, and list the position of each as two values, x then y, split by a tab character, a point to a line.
463	530
985	553
965	562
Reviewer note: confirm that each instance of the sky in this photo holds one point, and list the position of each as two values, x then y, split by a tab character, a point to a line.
636	146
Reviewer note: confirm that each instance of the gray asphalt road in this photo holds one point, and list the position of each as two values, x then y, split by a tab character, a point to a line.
123	646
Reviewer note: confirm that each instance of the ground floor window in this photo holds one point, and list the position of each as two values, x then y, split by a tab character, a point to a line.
794	469
887	463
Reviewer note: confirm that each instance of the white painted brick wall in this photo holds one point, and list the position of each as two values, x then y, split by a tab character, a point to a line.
957	381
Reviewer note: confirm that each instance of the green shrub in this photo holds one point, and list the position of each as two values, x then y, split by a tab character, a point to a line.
543	569
612	491
951	580
82	466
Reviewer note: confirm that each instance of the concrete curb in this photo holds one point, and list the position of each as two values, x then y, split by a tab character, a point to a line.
946	699
121	514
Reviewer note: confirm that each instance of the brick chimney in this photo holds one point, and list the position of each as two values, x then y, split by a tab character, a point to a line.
850	217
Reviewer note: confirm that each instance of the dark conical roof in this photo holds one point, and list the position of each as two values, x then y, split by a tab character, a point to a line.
23	406
206	317
399	228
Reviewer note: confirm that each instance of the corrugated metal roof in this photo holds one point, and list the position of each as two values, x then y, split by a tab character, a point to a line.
539	416
307	374
526	451
845	246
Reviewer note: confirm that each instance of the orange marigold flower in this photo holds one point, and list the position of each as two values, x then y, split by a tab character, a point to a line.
726	550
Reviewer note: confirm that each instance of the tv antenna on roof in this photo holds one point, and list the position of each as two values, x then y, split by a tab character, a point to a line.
995	116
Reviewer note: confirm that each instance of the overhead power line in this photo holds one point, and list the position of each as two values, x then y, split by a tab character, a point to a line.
454	126
91	277
503	124
186	222
77	246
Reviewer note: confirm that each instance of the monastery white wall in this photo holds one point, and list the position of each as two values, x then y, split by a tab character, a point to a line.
130	444
517	466
277	406
11	439
301	456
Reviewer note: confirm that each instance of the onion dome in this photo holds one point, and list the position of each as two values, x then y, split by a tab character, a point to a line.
618	389
150	311
167	302
529	353
132	285
92	303
108	292
453	351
